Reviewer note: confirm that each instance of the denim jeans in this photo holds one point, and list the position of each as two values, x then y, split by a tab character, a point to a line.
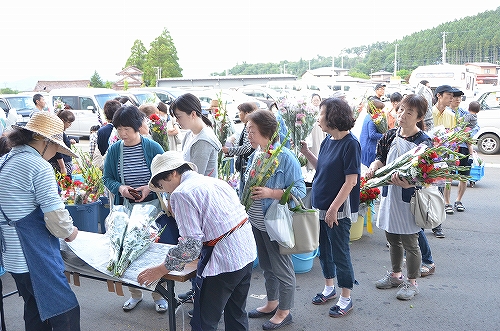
335	255
425	249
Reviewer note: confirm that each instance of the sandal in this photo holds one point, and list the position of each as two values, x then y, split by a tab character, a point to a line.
459	207
427	269
448	209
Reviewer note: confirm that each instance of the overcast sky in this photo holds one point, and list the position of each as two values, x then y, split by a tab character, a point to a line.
56	40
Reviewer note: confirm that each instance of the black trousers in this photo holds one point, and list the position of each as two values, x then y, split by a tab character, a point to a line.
69	321
226	293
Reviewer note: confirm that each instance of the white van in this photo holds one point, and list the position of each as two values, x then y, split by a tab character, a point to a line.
301	88
446	74
86	103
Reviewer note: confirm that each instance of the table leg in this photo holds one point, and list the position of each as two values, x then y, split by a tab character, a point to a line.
169	295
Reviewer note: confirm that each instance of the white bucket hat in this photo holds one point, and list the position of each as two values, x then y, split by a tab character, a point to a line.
167	161
48	126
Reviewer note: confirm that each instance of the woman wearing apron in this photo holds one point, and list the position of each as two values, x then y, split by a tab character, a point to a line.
394	216
32	218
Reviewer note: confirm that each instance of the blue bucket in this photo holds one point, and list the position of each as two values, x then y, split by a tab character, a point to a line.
86	216
103	213
303	263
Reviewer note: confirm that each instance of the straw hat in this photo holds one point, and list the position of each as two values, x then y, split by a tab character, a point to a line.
48	126
167	161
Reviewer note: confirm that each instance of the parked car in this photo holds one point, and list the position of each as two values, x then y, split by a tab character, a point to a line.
86	103
261	93
165	94
488	120
22	104
140	96
230	98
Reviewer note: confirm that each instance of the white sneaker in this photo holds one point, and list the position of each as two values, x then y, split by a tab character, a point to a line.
161	306
130	304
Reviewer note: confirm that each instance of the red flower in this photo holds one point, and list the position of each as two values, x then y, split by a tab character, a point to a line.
154	117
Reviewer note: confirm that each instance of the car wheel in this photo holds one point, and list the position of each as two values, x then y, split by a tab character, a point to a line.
489	144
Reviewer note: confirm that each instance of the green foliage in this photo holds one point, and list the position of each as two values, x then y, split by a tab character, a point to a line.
125	85
470	39
108	84
8	90
138	54
95	80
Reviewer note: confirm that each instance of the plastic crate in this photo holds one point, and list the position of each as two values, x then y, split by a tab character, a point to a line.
476	172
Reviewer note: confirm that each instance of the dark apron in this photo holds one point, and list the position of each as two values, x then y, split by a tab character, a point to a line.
206	253
41	250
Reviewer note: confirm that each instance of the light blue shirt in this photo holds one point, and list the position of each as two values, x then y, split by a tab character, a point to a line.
27	181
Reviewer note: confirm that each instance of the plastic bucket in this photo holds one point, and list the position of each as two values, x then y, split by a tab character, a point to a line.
303	263
86	216
357	229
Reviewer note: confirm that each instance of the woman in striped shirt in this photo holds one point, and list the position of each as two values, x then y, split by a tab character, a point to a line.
127	173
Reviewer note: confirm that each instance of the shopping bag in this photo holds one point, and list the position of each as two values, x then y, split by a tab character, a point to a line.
278	222
305	226
427	205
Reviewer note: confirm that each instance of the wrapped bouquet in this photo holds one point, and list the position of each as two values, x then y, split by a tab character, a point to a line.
265	165
367	197
421	166
378	116
130	234
158	130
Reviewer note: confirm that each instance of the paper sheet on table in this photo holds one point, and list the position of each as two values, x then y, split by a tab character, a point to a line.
91	251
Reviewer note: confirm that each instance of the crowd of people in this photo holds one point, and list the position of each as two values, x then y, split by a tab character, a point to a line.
206	219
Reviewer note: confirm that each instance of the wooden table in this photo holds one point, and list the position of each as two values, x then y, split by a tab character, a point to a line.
76	266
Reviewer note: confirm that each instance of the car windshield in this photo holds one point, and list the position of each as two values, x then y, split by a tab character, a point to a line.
143	98
102	98
21	102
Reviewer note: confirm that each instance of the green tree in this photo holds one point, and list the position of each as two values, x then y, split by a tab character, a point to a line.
95	80
138	55
8	90
161	58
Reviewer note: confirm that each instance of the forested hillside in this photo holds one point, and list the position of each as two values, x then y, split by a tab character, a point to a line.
470	39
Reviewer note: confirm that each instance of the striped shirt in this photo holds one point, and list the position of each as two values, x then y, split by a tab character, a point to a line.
136	172
30	182
206	208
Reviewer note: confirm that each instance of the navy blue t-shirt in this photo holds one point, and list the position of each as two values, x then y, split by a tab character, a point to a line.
336	159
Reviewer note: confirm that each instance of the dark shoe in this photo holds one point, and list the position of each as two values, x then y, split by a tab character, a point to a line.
438	232
427	269
336	311
190	313
320	299
271	326
449	209
256	314
459	206
186	297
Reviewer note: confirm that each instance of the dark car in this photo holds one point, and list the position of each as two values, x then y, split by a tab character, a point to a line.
23	104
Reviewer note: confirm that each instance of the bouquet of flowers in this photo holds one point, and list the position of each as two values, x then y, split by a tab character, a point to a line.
299	117
450	138
69	190
367	197
421	166
378	116
58	105
130	234
223	128
265	165
158	130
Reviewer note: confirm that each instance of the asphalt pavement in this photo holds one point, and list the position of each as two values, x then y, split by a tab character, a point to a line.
461	295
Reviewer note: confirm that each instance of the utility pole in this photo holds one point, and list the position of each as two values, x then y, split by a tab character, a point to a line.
395	60
444	48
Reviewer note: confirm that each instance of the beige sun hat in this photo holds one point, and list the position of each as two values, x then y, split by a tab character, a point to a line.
48	126
167	161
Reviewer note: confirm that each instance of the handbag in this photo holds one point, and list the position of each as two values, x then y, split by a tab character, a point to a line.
305	229
427	205
278	221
